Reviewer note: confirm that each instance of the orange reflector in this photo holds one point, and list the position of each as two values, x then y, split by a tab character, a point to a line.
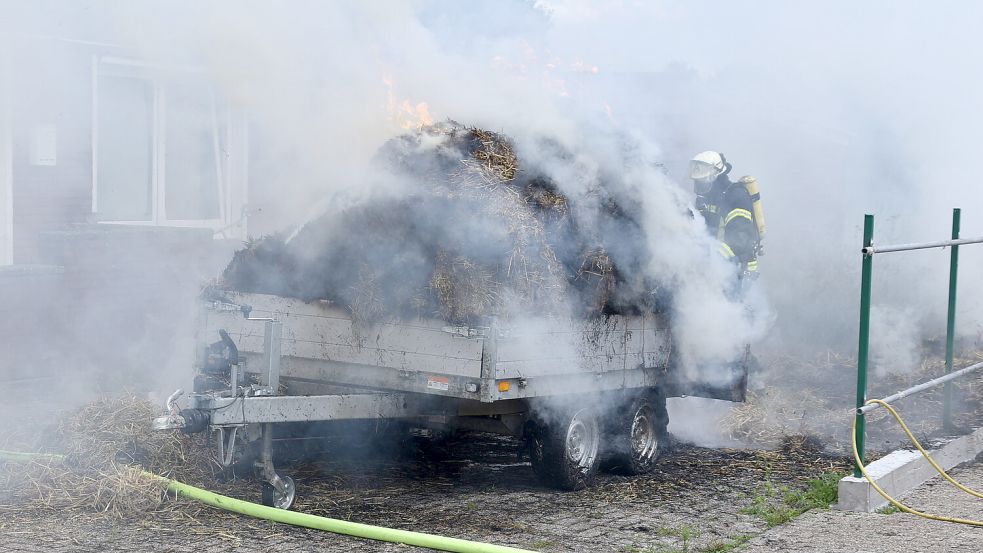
504	385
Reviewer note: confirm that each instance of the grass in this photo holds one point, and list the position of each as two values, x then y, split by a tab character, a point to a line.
778	504
725	546
542	544
772	503
652	549
685	534
820	492
888	510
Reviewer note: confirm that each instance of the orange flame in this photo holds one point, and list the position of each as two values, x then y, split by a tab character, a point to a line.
405	113
415	116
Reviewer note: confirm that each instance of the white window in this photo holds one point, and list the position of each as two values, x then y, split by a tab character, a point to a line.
164	152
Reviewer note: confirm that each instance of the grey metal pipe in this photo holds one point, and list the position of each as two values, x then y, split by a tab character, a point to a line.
871	250
920	387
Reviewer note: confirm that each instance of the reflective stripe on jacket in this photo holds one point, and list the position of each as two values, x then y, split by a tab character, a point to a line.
728	210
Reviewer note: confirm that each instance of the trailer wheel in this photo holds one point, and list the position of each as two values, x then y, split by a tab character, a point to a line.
638	434
273	498
564	451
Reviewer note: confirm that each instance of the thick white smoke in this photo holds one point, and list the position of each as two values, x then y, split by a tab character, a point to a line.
838	109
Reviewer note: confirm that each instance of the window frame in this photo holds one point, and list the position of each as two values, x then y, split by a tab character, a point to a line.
135	69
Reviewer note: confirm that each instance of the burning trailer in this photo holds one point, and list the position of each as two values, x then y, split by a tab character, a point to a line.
482	299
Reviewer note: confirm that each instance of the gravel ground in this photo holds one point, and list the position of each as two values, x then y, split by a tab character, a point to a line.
837	531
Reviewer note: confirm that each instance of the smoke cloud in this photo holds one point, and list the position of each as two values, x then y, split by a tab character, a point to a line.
838	109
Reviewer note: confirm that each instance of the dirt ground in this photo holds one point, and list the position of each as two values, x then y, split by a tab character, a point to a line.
475	487
479	487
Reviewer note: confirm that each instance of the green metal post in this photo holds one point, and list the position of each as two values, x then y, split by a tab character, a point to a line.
950	331
868	261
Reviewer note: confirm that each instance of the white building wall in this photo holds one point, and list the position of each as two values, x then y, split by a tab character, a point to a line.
6	162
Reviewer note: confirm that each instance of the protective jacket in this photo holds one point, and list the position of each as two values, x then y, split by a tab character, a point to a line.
727	209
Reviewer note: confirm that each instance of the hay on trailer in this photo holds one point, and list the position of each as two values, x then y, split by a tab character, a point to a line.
464	290
546	200
596	280
474	236
492	161
367	301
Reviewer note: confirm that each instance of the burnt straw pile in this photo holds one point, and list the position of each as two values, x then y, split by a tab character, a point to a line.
476	233
104	447
814	397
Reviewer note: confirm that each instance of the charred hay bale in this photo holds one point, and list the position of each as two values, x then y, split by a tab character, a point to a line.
509	239
595	280
546	199
422	160
264	265
597	220
502	258
375	259
483	188
447	157
369	258
369	301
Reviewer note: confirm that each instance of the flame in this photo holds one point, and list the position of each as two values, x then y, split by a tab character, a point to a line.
415	116
404	113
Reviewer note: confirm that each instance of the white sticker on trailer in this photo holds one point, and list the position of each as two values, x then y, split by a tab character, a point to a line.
438	383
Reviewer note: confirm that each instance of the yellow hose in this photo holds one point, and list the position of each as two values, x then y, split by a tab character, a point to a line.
895	502
294	518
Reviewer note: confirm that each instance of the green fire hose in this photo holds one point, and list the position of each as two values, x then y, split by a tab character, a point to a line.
294	518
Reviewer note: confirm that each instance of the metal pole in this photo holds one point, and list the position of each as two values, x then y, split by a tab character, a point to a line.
271	351
950	332
921	246
862	350
921	387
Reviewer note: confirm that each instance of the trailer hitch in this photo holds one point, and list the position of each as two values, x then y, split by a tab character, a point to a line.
189	421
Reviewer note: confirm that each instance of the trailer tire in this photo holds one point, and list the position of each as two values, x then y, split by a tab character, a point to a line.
564	451
281	501
638	434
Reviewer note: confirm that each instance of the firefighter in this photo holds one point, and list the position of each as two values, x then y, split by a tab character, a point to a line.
732	210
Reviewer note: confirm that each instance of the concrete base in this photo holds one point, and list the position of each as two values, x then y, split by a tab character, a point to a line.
902	471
